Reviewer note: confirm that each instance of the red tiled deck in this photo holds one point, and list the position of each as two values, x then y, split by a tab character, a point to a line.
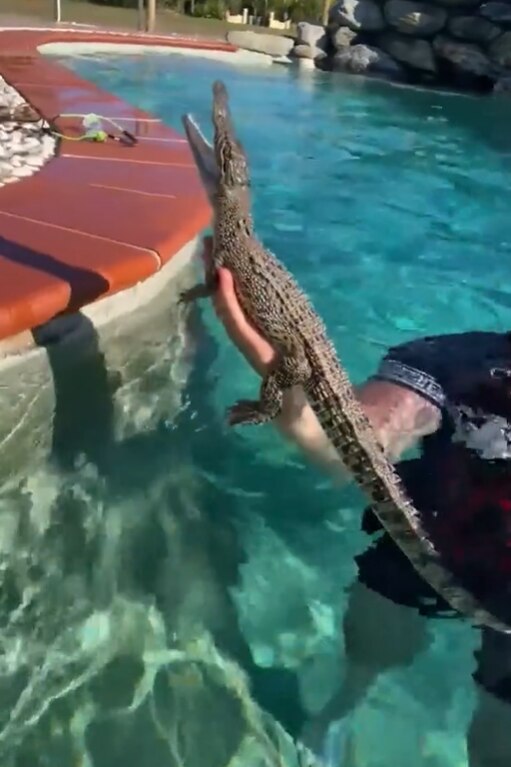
99	217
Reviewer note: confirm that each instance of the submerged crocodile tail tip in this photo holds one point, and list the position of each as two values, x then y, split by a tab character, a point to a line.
219	89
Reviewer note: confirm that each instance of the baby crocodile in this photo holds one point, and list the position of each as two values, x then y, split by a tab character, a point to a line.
282	313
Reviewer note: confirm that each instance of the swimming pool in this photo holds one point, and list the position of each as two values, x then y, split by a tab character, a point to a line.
390	205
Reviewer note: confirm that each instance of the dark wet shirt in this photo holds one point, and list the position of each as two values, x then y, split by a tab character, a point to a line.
462	482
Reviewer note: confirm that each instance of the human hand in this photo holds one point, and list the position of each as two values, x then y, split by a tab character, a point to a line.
256	350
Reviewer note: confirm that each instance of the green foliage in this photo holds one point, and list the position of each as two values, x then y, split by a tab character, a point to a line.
296	10
306	10
210	9
117	3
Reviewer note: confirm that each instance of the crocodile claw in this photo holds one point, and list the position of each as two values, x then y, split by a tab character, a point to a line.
192	294
246	411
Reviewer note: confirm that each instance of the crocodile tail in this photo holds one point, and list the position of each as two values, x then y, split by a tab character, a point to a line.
357	445
401	519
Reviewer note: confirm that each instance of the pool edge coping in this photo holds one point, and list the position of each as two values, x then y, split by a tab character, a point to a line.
24	43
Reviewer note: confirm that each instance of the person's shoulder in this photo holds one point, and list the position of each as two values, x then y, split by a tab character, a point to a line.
462	351
431	365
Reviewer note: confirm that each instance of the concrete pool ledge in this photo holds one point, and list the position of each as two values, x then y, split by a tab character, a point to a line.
237	56
102	228
63	328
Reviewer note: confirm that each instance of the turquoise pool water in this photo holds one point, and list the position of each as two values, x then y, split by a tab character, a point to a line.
391	206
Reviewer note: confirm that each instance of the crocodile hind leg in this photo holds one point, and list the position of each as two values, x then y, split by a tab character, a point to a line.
253	411
292	369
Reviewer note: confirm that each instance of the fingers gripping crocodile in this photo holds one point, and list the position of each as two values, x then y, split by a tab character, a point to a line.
279	310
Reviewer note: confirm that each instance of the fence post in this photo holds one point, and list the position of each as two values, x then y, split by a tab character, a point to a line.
151	15
141	15
325	12
57	11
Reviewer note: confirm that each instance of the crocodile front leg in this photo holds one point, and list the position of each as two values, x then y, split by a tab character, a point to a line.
204	289
201	290
292	369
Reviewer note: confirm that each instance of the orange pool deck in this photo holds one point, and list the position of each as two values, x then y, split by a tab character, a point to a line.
99	217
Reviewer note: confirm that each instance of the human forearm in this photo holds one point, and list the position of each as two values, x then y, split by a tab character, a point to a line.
298	423
400	418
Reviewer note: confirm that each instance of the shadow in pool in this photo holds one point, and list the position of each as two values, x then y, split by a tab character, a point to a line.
484	117
83	418
85	285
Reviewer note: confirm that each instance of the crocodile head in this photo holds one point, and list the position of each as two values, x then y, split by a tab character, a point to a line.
223	165
230	156
204	157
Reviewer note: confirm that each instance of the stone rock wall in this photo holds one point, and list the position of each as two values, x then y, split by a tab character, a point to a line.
464	44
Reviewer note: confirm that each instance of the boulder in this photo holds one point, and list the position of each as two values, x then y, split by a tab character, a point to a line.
411	18
415	53
503	85
272	45
343	38
495	11
311	34
466	57
454	4
303	51
366	60
500	50
357	15
473	29
314	37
